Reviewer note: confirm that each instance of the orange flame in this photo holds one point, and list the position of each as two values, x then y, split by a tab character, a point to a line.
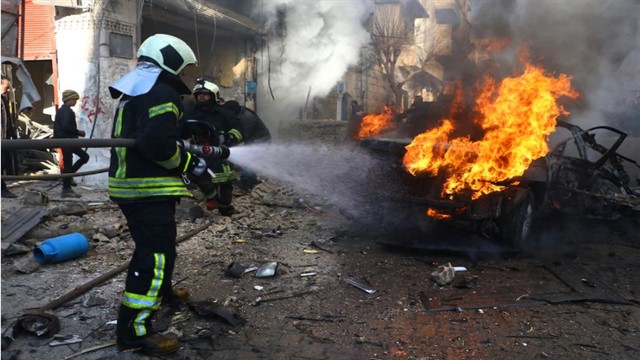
437	214
373	124
516	116
496	45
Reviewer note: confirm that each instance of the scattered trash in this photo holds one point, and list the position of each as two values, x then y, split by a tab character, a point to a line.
235	270
16	249
317	246
37	323
468	282
588	283
212	308
267	270
308	274
65	339
360	286
240	241
480	311
35	198
459	268
443	275
310	251
258	287
250	269
112	322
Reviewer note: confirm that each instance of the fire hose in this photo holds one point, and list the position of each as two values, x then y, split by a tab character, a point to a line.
22	144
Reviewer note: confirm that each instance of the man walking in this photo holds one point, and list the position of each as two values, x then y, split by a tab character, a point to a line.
8	132
65	127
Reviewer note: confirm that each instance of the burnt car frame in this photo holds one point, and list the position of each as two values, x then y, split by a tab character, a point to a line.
578	175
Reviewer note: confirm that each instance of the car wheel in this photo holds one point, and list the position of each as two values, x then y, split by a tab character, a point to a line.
516	222
602	206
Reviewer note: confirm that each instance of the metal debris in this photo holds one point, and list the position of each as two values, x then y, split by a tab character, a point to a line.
65	339
360	286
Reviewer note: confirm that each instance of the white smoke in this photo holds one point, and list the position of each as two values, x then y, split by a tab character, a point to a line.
594	41
322	39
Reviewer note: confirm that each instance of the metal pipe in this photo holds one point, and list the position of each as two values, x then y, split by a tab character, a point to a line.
16	144
53	176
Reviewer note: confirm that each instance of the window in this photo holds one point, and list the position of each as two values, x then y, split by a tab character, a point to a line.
120	45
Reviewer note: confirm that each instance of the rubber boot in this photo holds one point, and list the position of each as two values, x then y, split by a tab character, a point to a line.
226	210
69	193
149	344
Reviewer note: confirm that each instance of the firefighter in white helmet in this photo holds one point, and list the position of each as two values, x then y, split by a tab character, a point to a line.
227	125
146	181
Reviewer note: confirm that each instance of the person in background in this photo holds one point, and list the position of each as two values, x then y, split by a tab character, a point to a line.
65	127
146	182
207	109
7	133
255	132
355	121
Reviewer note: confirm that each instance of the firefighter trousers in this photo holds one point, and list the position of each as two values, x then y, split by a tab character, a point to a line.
153	229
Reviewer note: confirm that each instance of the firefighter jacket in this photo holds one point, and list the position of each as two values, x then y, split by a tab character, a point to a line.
255	131
65	126
152	168
227	125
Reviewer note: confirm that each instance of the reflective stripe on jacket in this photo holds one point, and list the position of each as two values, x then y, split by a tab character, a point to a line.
151	168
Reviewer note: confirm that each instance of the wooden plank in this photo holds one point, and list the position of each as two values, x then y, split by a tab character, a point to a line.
20	223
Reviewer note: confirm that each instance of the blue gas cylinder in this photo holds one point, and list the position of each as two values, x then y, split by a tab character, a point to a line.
61	248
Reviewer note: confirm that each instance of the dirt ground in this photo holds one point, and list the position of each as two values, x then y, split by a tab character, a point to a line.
573	294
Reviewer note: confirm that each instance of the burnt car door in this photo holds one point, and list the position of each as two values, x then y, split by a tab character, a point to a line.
586	172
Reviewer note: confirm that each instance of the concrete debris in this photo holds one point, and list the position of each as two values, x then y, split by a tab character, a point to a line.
444	274
35	198
69	208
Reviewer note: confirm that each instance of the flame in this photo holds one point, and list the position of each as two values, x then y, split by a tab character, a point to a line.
496	45
437	214
373	124
516	116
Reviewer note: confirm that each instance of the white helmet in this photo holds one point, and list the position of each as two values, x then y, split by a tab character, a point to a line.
171	53
203	85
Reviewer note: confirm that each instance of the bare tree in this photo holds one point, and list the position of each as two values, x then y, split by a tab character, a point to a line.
392	34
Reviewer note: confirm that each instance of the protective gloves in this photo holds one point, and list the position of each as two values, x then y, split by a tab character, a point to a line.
231	140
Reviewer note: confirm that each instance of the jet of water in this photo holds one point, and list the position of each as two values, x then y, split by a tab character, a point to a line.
343	176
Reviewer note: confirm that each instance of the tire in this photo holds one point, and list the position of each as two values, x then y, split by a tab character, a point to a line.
515	226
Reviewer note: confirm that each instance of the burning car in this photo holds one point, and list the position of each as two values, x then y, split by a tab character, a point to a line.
578	175
488	165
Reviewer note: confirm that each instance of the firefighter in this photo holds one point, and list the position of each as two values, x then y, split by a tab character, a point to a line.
208	110
255	132
145	181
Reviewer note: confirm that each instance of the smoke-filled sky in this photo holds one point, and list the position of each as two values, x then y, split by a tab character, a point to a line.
595	41
323	38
